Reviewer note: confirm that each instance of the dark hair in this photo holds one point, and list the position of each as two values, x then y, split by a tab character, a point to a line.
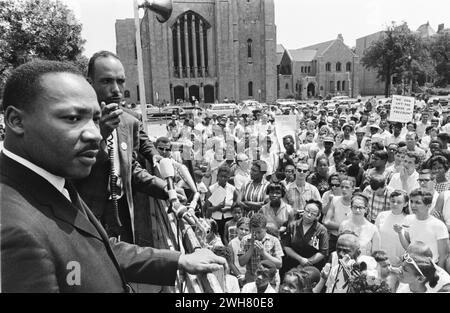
426	265
380	256
333	176
258	220
224	169
316	202
377	181
23	88
98	55
262	165
360	195
382	154
163	140
288	137
242	220
214	226
439	159
413	124
275	187
224	252
378	146
444	137
401	193
296	272
427	197
438	141
414	155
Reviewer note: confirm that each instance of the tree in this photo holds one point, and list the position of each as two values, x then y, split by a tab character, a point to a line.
30	29
398	52
440	52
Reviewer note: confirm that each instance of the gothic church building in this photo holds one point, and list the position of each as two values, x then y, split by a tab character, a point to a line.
208	49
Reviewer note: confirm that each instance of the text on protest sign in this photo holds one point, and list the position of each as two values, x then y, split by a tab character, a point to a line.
402	109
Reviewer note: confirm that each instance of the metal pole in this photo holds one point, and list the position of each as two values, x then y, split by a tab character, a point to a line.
140	66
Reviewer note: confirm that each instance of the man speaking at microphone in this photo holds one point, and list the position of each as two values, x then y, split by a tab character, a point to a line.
117	155
50	239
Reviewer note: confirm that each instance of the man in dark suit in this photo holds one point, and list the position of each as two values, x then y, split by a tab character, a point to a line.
122	132
50	239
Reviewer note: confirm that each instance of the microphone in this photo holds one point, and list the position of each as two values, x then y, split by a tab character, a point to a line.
168	173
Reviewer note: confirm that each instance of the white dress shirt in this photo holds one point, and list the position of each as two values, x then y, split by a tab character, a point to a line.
56	181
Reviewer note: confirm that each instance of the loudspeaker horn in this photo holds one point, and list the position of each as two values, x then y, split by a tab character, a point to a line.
162	8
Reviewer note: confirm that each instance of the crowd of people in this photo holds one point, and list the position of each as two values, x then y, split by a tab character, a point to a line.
347	193
349	184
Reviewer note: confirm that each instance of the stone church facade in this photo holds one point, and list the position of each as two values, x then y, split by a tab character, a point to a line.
208	49
326	69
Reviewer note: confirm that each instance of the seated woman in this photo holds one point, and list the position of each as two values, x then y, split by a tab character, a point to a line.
369	237
306	240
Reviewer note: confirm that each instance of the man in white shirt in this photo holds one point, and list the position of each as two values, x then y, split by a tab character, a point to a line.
423	227
407	179
423	124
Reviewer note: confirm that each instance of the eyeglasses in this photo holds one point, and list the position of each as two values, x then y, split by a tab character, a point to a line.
302	171
424	180
360	208
408	259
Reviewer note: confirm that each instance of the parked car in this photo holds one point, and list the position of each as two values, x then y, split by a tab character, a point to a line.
222	108
165	112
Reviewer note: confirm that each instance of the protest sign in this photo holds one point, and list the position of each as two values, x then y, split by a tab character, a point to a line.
285	125
402	109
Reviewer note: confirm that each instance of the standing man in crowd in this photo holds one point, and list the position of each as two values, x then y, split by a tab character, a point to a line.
50	239
117	154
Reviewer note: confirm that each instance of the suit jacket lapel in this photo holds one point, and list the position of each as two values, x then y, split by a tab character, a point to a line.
105	238
32	185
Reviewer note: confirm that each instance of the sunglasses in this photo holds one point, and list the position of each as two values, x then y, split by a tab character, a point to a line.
302	171
424	180
336	185
408	259
165	150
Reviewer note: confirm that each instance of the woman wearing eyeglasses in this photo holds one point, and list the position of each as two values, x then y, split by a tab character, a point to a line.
422	275
369	237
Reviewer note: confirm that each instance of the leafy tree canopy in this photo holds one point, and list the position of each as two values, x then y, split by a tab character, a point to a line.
45	29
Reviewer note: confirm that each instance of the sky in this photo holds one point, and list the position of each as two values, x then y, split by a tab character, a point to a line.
299	23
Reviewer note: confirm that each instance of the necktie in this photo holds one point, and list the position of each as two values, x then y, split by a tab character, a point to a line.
73	197
65	192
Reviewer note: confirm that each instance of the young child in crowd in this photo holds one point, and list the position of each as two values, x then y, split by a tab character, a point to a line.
242	227
231	225
230	283
259	246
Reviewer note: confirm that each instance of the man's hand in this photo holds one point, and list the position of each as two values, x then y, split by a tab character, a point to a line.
258	246
201	261
110	118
